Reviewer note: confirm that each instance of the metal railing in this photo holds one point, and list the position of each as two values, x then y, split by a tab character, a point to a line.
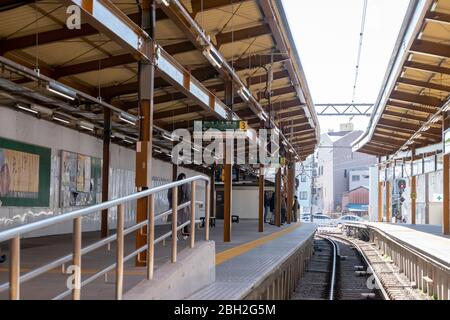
428	273
14	235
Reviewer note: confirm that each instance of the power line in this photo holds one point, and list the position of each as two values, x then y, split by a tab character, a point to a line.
361	39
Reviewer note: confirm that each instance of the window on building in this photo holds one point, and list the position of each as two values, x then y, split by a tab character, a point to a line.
356	178
303	178
303	195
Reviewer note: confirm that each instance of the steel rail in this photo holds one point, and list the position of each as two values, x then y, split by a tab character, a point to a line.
333	270
366	260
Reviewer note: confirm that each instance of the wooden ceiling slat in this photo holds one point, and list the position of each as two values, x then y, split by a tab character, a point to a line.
411	107
423	84
243	34
431	48
438	17
426	67
415	98
405	116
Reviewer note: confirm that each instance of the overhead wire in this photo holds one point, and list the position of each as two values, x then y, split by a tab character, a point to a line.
360	46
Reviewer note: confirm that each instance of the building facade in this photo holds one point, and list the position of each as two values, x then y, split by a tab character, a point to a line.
339	169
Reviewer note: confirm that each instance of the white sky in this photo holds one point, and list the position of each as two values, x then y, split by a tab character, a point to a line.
326	33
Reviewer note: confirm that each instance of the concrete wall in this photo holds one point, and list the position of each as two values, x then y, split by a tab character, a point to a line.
245	202
178	281
21	127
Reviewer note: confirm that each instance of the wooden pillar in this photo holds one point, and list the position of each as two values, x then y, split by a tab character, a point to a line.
388	202
228	174
212	189
380	194
174	172
261	205
413	199
105	169
290	191
228	204
144	146
278	198
380	201
446	204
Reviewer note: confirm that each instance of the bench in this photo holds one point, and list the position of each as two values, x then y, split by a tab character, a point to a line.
212	222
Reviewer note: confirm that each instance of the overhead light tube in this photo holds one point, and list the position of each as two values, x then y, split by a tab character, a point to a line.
24	108
213	57
128	118
61	90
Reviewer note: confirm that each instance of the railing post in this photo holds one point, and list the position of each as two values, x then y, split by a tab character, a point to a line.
76	290
192	238
207	210
151	237
14	269
174	223
120	250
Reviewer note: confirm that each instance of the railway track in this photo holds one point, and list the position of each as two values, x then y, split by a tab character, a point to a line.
350	269
337	271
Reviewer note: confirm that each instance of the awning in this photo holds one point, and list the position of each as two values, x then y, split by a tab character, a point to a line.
355	207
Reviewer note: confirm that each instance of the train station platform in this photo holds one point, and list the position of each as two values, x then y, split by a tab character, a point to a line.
426	239
39	251
242	276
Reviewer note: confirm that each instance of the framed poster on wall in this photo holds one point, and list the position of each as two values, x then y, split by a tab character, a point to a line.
81	180
24	174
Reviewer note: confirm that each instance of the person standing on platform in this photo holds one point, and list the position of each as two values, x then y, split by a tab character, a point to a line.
184	195
272	209
267	203
295	209
283	207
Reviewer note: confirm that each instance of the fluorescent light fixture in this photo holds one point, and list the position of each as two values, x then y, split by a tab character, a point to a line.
264	116
244	94
213	57
61	90
128	140
25	108
157	150
195	148
117	135
86	125
164	2
42	110
167	136
284	143
128	118
60	119
447	107
277	131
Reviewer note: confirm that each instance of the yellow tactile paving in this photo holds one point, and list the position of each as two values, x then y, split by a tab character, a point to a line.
237	251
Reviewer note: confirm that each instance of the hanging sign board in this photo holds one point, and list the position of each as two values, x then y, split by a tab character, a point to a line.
429	164
446	140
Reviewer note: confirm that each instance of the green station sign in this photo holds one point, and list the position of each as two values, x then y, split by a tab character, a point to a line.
221	125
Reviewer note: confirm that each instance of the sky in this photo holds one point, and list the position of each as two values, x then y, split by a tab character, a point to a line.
326	33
